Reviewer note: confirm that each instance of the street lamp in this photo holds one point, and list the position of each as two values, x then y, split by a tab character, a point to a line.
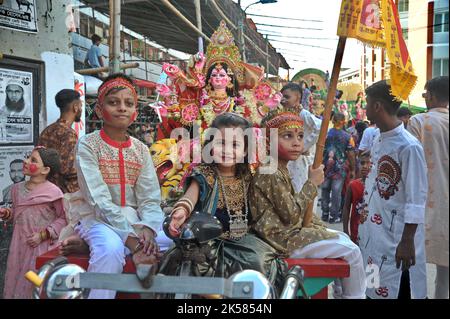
241	25
261	1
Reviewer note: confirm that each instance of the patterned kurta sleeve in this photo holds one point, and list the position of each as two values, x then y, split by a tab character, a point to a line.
290	208
148	195
414	175
314	124
96	192
64	140
68	170
414	127
60	222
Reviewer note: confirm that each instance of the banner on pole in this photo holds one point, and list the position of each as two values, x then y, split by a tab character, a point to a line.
376	22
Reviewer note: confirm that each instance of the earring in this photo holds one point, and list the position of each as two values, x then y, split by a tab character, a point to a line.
230	85
208	87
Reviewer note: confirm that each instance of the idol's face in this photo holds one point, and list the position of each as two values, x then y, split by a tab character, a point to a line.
219	78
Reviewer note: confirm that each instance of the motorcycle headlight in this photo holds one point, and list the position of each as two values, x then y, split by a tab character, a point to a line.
262	288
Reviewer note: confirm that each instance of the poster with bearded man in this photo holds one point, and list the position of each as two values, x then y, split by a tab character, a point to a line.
16	106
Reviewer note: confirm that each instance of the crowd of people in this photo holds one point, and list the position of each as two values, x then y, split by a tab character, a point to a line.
385	180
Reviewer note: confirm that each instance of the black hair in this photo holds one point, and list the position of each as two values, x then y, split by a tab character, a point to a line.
404	111
229	120
339	94
50	158
381	91
360	127
64	97
365	153
95	38
304	82
438	87
230	91
16	161
293	87
338	116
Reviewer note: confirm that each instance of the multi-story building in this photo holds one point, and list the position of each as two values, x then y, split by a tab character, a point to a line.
425	30
134	48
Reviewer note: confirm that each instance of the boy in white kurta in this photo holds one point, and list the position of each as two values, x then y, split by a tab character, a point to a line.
298	169
431	129
118	181
392	235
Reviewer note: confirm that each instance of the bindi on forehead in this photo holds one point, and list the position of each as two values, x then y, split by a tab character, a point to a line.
221	71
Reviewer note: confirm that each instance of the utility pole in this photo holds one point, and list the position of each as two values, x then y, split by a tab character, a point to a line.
146	58
114	14
198	15
242	38
267	56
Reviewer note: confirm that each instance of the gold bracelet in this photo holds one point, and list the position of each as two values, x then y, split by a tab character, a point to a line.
188	201
184	205
179	208
138	247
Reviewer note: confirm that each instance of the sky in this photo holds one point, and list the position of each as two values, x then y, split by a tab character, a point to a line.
300	57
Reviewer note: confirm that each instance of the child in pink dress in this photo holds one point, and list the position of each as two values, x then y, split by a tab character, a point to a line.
38	217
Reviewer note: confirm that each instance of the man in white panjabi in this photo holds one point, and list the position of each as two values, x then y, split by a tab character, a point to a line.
298	170
431	129
392	230
368	137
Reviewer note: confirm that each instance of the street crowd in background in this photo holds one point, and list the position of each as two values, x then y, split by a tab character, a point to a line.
384	176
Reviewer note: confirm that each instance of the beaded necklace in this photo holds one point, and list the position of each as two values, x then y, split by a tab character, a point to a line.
238	221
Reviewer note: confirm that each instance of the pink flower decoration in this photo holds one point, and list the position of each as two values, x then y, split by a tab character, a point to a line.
170	69
274	101
262	92
163	90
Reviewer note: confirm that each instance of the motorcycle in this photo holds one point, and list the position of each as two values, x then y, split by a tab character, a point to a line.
60	280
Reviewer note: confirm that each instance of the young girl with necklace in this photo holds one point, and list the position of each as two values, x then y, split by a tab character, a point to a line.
220	189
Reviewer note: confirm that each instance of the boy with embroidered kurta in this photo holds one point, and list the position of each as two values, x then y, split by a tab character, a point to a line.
396	193
278	211
118	181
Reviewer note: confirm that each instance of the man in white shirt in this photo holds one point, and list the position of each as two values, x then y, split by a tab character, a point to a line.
292	95
392	235
431	129
368	137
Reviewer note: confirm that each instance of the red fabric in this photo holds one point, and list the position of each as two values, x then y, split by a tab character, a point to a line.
357	188
113	143
122	178
120	146
119	83
145	84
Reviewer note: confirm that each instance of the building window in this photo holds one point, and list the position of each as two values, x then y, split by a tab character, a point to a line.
441	22
440	67
84	25
405	34
403	6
